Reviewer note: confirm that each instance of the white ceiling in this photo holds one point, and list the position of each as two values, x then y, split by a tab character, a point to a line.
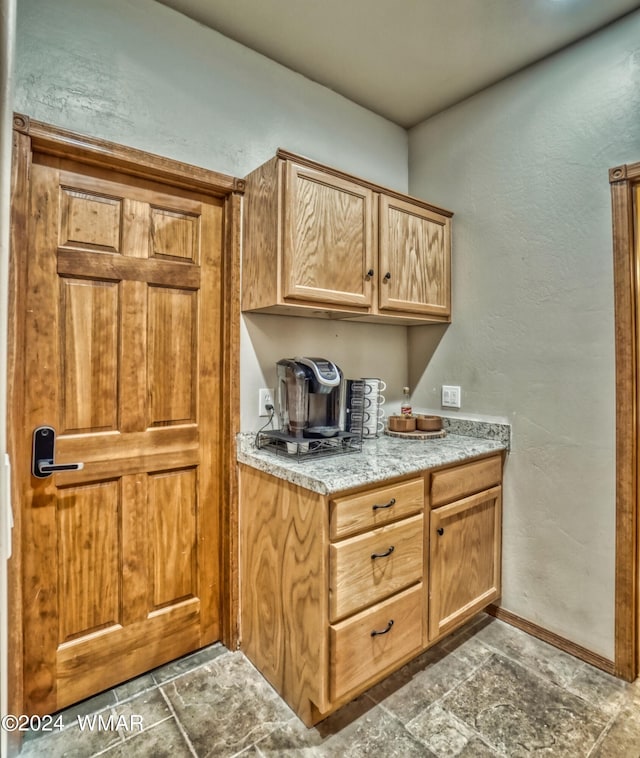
405	59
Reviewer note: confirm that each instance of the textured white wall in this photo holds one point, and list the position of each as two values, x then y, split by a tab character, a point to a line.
524	166
138	73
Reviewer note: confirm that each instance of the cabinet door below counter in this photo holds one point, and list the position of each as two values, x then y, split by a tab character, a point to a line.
465	559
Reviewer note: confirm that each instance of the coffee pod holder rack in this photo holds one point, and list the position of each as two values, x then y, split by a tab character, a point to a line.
365	405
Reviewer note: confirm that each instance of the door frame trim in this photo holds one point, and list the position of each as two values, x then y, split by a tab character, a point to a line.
31	136
626	261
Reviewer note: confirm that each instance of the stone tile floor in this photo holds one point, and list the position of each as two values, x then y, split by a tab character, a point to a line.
488	690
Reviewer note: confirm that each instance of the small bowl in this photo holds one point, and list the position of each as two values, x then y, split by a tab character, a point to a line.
429	423
402	424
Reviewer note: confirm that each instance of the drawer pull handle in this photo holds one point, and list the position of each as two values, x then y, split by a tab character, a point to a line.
386	505
382	555
375	633
440	531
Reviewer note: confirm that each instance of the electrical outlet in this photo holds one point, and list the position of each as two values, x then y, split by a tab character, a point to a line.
265	397
450	396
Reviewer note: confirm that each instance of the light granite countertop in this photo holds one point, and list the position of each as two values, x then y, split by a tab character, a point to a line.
380	459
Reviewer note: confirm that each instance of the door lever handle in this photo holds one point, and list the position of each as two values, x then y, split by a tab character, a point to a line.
44	454
46	467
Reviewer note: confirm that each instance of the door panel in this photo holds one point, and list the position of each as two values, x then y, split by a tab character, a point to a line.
88	515
123	340
90	221
172	355
174	536
175	235
89	333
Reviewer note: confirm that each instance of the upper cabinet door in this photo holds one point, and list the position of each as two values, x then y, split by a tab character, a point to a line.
414	272
327	238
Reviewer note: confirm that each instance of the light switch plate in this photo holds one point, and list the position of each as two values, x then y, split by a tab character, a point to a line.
450	396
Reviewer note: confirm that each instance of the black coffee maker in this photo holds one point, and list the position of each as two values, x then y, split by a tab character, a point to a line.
311	397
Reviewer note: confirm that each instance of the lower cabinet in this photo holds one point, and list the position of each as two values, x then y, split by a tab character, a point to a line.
337	592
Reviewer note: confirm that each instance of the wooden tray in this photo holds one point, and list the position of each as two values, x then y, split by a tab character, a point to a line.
417	435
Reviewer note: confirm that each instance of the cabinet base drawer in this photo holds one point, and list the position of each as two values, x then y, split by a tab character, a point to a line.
375	507
358	655
363	570
460	481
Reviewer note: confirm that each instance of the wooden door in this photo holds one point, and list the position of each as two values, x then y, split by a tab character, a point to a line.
465	559
327	245
122	357
414	269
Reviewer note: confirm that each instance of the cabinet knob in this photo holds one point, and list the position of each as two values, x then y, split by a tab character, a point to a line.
370	272
382	555
387	276
440	531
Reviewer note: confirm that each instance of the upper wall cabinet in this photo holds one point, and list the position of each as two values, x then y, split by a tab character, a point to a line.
327	242
321	243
